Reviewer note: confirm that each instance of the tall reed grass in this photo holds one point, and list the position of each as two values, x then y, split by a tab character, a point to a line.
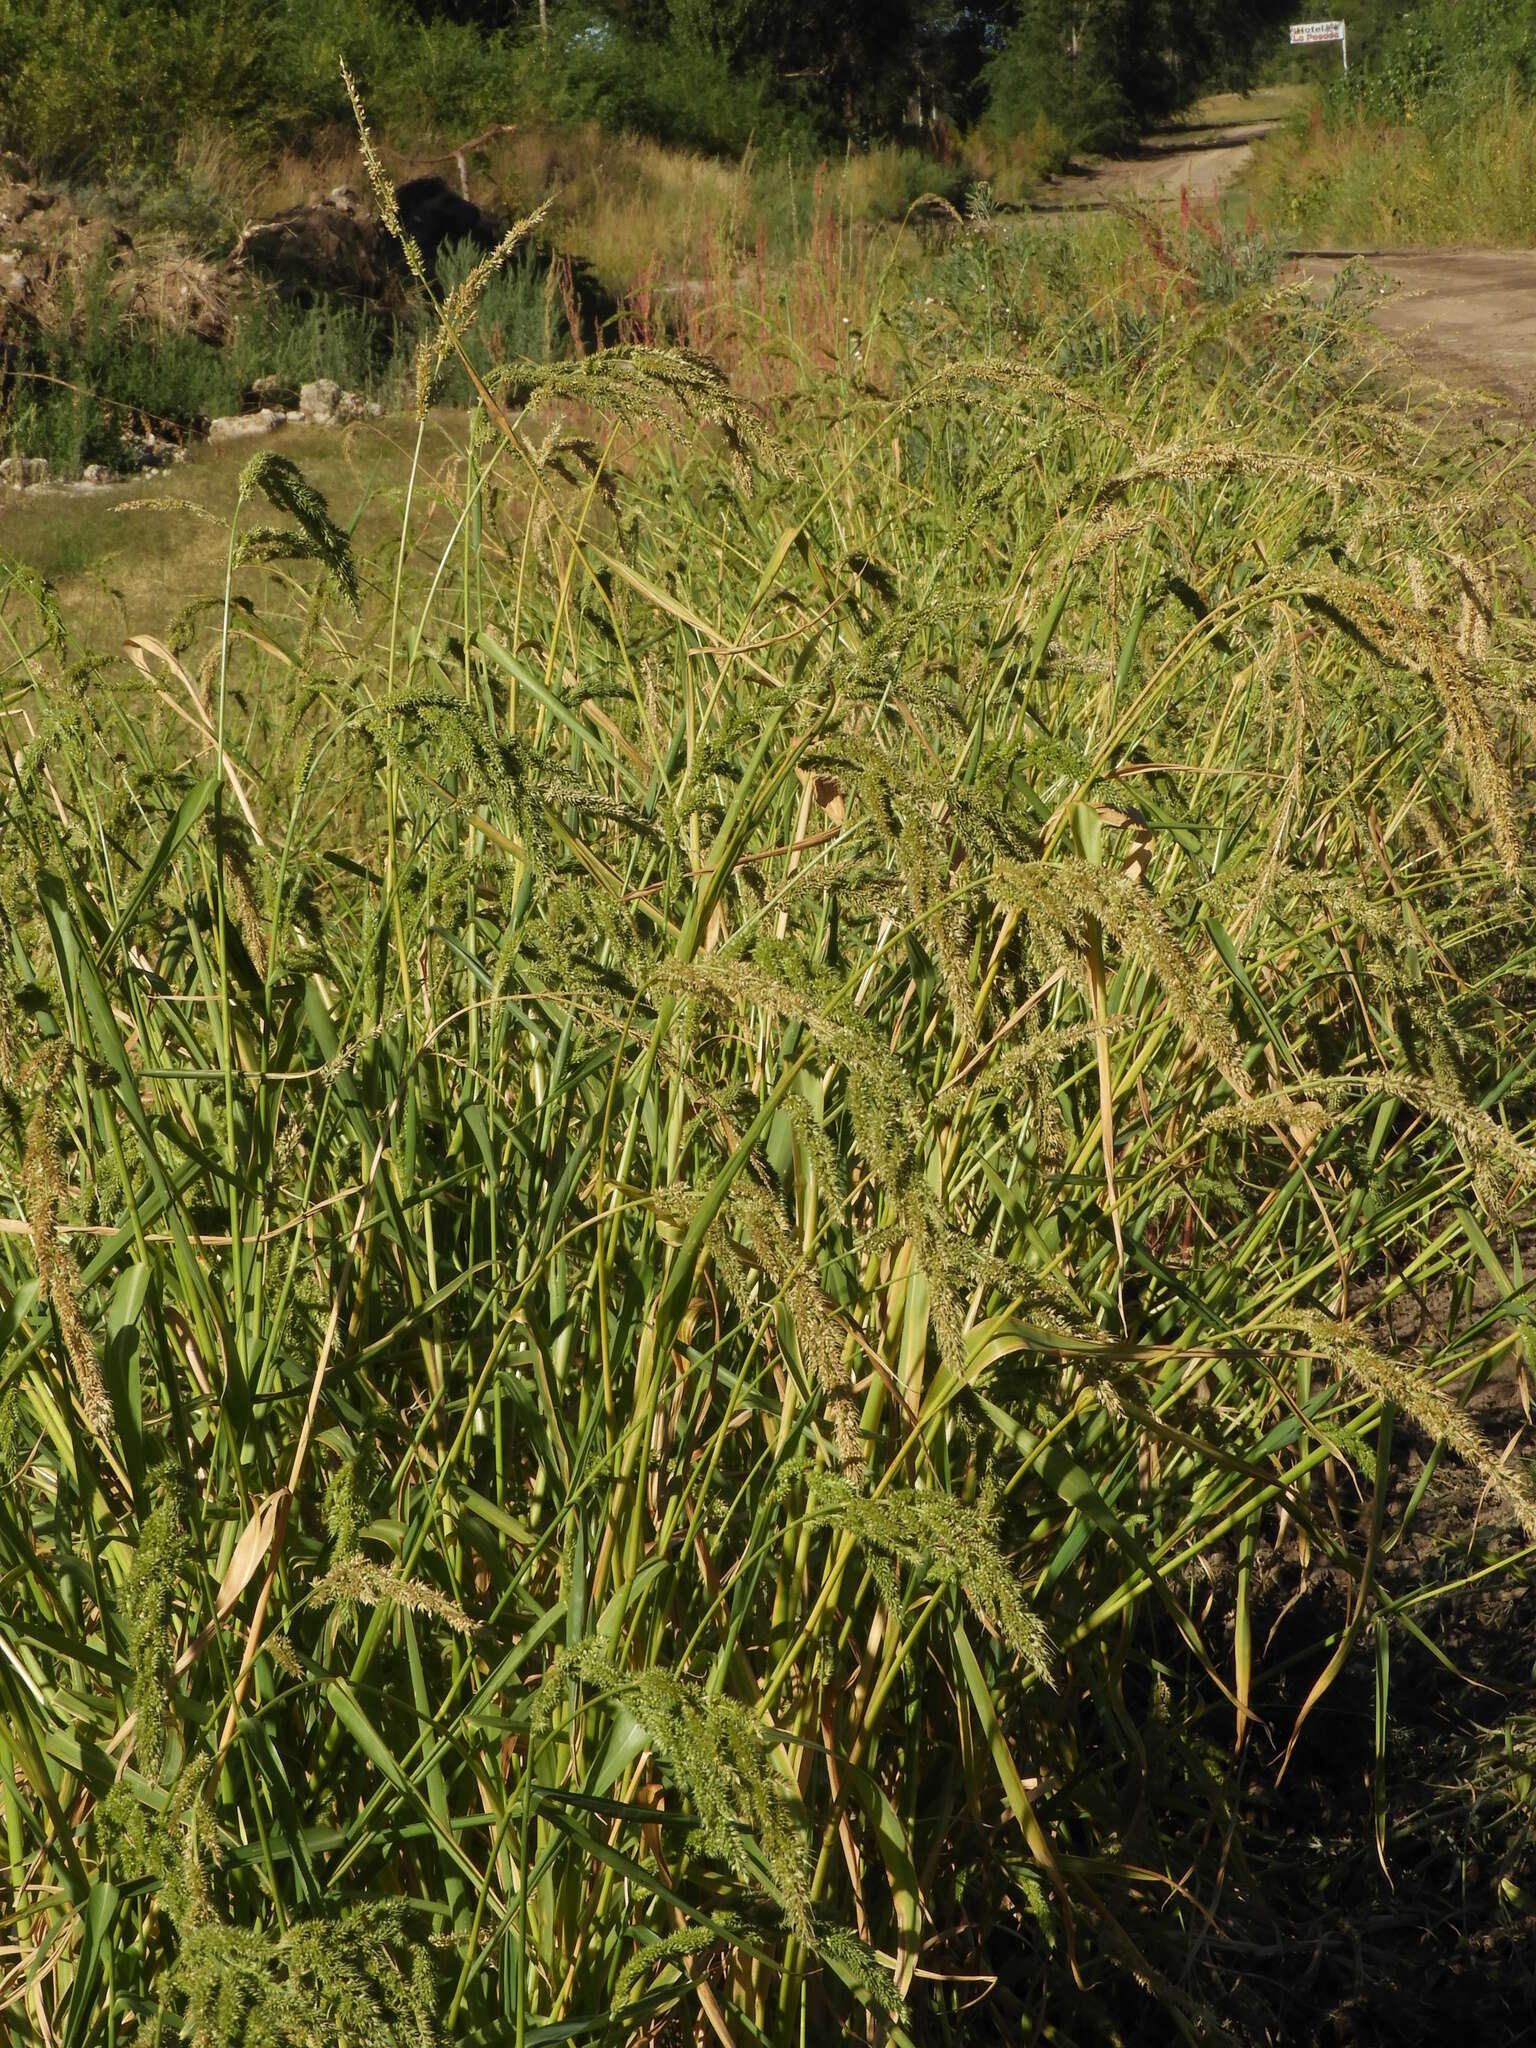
702	1174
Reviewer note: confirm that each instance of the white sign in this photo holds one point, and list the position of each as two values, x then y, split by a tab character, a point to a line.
1322	32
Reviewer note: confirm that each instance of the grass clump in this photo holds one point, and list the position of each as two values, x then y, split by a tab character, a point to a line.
680	1118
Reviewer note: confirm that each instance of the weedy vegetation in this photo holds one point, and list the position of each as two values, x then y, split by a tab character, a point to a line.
709	1187
1429	137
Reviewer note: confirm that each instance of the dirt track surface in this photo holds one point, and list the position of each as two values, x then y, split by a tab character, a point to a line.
1197	158
1465	314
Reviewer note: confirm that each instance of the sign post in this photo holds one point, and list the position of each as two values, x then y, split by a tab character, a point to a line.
1322	32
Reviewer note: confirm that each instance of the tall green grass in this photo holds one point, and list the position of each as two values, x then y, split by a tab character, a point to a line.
702	1176
1430	136
1453	171
90	376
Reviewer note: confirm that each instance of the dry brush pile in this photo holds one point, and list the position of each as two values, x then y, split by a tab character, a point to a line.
682	1169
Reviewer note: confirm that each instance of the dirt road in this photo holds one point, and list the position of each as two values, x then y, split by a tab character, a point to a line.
1199	156
1468	315
1465	314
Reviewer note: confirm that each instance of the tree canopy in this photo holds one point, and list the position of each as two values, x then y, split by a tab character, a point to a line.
1093	68
87	85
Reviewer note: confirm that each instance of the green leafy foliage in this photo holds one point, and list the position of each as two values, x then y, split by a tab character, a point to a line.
716	75
1098	73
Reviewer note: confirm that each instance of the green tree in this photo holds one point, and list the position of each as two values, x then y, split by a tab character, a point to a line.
732	30
856	68
1097	70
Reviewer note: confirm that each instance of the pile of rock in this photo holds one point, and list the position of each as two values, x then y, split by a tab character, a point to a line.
320	403
323	403
147	455
150	451
246	426
332	247
328	247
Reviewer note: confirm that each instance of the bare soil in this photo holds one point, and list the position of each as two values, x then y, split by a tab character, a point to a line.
1197	158
1465	314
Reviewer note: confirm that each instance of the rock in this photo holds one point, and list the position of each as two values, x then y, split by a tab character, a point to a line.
323	403
320	401
433	214
146	452
330	247
318	251
18	200
281	392
246	426
373	410
96	473
21	472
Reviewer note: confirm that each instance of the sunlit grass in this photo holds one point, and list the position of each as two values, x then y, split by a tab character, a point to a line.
1462	175
674	1195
